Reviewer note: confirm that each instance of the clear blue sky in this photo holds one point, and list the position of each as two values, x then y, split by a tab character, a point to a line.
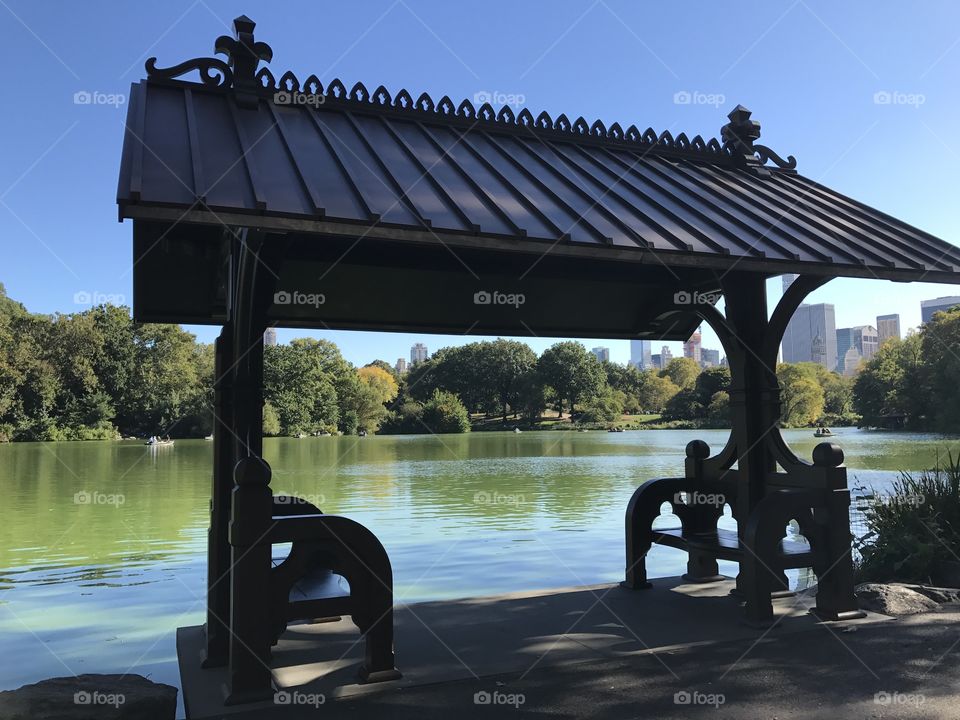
810	71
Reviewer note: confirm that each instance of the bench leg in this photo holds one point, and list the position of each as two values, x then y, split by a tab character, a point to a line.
702	568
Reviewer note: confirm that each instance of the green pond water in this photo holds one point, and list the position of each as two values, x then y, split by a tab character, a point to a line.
102	544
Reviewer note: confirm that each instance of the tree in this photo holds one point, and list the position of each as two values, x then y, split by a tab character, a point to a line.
935	384
889	382
271	421
656	392
378	387
682	372
801	397
506	365
444	413
604	406
685	405
571	371
711	381
718	411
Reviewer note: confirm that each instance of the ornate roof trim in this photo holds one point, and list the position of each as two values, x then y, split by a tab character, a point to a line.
239	73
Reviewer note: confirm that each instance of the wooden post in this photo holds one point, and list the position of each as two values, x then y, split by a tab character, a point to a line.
218	544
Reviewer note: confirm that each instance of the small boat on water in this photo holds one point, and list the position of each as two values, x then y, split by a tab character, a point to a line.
516	430
823	432
615	429
155	441
208	437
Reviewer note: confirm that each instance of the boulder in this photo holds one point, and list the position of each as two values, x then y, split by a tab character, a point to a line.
90	697
893	599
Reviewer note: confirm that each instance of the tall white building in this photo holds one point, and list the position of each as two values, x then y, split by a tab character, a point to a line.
418	353
401	366
811	336
640	356
270	337
888	326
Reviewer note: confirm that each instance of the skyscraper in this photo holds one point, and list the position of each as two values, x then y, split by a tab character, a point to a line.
929	307
418	353
401	366
863	339
640	354
602	354
888	326
269	337
665	355
691	348
811	336
709	358
788	279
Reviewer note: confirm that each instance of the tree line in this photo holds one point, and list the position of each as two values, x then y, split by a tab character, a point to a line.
97	374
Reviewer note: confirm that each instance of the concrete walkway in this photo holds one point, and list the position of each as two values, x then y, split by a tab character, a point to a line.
675	651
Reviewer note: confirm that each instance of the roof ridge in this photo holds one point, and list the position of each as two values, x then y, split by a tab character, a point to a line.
240	73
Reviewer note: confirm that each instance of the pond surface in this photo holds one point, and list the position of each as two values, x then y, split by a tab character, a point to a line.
102	543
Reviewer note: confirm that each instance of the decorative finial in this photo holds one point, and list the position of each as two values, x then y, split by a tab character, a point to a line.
244	53
741	133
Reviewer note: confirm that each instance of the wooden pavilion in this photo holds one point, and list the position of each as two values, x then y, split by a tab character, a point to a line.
258	202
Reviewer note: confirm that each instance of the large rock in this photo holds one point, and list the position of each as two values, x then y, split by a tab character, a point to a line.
893	599
90	697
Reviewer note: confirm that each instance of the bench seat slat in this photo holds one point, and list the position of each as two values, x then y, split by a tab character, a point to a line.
725	545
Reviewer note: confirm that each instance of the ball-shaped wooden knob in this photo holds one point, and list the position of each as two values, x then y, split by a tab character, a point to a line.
827	455
252	471
698	450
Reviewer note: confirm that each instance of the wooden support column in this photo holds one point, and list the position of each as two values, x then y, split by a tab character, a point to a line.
218	544
251	514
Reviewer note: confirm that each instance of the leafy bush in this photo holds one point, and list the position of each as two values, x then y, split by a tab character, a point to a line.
916	529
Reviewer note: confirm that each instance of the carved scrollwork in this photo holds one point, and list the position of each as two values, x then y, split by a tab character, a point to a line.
765	154
213	71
